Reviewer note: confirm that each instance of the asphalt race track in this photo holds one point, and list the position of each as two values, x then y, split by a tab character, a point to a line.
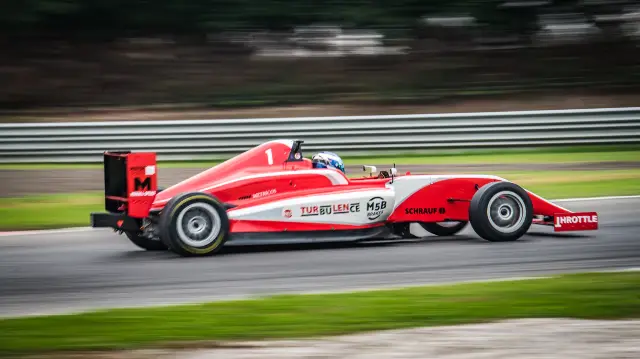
63	272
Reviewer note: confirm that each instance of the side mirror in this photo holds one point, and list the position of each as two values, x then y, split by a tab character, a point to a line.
371	169
393	171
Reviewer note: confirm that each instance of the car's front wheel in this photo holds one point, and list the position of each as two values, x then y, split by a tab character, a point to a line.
194	224
500	212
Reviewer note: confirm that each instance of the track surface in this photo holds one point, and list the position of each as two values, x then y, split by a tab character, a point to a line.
55	273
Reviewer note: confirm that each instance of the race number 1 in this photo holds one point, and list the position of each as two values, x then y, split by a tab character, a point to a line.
269	156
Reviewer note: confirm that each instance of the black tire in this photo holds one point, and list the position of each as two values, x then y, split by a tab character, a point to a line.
515	204
208	216
146	243
441	230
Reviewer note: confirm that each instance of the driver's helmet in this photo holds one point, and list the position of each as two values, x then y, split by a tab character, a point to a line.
326	159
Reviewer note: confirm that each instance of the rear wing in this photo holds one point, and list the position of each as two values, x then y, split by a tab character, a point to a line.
130	182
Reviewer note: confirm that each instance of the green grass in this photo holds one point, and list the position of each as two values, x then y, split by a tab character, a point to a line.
611	187
586	296
49	211
70	210
627	153
507	158
575	184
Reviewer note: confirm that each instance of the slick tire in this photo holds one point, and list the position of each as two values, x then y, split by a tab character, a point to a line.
444	229
501	212
194	224
146	243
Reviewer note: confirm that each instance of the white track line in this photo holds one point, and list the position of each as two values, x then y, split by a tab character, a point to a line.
594	198
84	229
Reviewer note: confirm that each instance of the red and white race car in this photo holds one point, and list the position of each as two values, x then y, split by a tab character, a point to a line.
272	194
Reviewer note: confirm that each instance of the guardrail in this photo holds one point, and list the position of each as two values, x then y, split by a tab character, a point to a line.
198	139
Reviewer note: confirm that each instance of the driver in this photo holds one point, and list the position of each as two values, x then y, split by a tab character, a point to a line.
326	159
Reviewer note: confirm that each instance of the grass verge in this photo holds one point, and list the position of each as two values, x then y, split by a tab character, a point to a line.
576	154
49	211
586	296
69	210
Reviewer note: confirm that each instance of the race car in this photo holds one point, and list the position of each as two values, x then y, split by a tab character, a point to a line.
272	194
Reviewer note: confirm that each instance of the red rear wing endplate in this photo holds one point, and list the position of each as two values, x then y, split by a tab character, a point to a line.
130	182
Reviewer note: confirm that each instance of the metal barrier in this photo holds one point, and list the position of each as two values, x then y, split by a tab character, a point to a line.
213	139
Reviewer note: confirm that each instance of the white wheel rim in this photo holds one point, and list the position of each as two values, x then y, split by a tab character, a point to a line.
506	212
198	224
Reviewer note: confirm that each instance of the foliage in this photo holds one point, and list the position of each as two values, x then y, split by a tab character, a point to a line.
60	53
120	18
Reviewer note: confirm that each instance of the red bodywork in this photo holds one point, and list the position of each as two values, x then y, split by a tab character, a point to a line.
272	188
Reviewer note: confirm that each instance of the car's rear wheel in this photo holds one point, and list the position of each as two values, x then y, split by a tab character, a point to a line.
443	228
194	224
500	212
145	243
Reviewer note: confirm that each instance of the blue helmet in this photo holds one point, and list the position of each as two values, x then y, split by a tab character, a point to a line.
326	159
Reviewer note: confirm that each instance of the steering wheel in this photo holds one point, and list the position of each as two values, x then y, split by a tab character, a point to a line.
383	174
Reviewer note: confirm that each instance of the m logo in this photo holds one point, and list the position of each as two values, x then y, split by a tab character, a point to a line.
142	185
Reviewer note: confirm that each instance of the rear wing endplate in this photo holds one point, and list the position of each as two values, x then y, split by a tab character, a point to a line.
130	182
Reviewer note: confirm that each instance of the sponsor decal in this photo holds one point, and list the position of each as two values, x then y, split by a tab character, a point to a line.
432	210
375	208
142	193
309	211
264	193
139	184
329	209
583	221
588	219
142	187
287	213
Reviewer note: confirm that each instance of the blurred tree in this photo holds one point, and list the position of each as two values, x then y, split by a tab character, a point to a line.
117	18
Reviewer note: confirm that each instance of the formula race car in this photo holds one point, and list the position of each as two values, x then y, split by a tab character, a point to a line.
272	194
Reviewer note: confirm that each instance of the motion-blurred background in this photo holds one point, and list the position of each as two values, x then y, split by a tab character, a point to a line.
102	60
58	53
